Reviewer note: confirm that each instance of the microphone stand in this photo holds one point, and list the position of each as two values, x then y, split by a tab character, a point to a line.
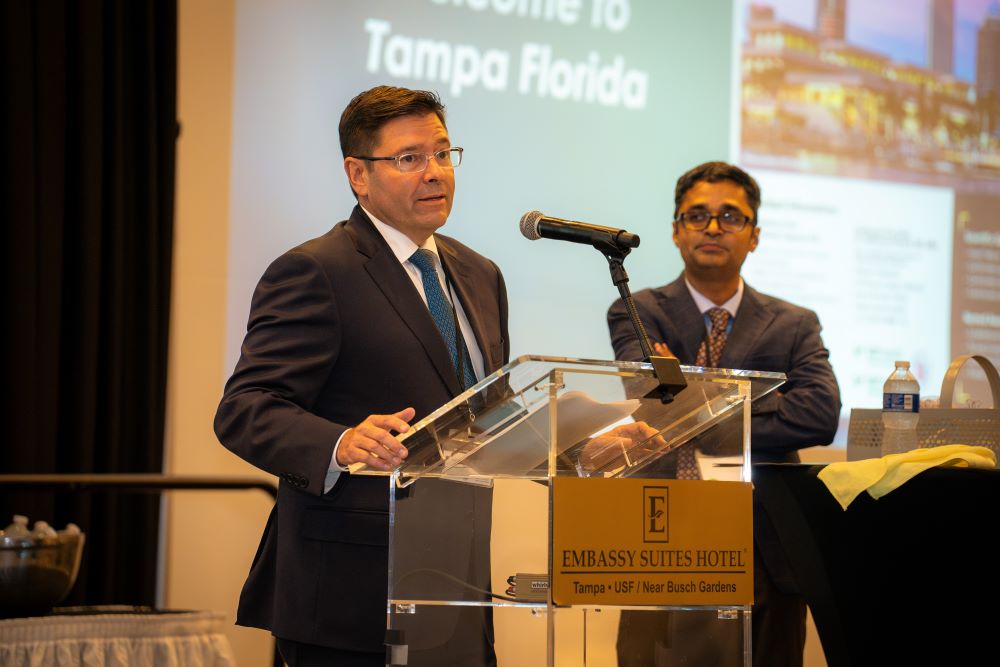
667	369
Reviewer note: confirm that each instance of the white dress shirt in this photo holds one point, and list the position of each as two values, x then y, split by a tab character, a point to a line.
403	247
705	304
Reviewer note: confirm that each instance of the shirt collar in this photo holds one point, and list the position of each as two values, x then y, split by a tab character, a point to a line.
705	304
402	246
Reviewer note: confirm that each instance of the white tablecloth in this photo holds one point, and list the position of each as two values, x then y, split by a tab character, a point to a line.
182	639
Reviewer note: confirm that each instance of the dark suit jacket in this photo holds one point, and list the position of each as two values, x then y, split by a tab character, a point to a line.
768	335
337	331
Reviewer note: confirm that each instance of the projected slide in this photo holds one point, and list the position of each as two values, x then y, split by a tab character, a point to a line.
569	107
873	129
871	126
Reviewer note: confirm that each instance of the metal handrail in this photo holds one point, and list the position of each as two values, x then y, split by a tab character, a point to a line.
141	482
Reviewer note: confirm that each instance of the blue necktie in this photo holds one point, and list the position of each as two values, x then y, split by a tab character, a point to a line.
444	315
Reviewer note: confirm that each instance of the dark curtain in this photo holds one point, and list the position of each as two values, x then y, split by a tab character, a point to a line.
88	125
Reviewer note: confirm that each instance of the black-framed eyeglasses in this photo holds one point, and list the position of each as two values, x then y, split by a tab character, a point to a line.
699	219
408	163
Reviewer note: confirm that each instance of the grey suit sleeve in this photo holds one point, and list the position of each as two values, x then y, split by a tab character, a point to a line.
807	410
291	344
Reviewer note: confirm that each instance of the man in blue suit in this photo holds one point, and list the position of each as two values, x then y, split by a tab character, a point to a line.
710	317
351	337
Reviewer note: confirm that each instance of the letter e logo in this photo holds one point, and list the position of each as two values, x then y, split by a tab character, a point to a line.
655	514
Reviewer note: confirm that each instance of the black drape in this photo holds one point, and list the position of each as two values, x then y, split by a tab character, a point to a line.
88	125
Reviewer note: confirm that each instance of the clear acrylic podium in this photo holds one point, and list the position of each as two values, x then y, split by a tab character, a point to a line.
492	478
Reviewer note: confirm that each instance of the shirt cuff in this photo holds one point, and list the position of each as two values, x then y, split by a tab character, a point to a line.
333	474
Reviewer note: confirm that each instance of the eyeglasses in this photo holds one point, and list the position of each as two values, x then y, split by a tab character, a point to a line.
699	219
408	163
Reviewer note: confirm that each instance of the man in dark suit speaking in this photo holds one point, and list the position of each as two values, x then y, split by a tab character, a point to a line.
351	336
710	317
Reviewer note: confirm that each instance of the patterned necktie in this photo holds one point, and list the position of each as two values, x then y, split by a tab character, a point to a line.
708	355
444	315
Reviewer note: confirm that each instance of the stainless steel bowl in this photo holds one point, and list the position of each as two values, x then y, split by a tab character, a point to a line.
37	574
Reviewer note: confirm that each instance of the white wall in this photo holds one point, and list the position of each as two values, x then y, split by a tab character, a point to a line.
211	536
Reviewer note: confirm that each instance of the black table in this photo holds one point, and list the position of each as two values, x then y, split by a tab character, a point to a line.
908	579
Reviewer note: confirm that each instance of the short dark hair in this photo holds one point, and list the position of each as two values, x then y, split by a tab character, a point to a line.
713	172
369	111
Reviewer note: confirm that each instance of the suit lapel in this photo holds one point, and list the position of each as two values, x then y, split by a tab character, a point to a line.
395	284
685	326
458	273
752	318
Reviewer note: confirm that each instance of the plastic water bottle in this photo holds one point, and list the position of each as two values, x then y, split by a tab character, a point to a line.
900	410
18	527
16	534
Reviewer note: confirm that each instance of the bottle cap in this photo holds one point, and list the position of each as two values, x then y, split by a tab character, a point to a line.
904	364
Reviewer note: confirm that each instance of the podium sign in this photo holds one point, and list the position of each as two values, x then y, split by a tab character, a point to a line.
651	542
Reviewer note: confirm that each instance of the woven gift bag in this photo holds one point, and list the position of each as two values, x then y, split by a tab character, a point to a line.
938	426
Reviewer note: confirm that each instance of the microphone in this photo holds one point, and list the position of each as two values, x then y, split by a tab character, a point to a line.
536	225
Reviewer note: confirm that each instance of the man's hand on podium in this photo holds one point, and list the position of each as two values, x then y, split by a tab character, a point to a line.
662	350
371	442
622	444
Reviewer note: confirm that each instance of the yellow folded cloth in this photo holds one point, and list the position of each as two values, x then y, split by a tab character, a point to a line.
880	476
